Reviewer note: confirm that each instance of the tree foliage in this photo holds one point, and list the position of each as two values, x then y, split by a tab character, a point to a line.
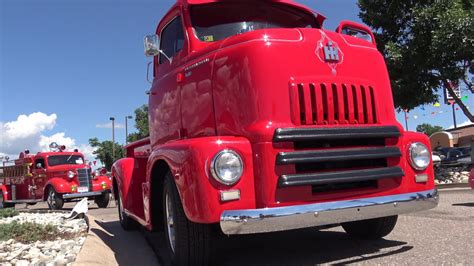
141	123
104	152
426	44
428	129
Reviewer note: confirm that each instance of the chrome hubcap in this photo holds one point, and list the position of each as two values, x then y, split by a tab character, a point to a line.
170	221
51	198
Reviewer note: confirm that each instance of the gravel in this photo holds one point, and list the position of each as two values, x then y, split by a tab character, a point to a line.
57	252
449	175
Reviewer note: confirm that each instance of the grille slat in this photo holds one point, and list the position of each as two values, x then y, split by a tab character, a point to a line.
339	177
332	104
337	155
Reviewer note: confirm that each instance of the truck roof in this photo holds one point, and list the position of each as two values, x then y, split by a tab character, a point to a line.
185	3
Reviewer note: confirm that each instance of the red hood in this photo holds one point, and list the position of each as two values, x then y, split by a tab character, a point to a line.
67	167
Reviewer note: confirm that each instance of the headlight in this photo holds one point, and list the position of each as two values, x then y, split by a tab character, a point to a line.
419	156
227	167
70	174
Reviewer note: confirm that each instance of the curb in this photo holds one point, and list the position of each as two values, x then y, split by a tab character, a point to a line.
453	185
94	251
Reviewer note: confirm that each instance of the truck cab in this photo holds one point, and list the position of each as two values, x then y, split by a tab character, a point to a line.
56	177
261	120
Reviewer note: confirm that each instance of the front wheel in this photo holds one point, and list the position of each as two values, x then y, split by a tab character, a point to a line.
188	243
54	200
103	200
371	229
4	204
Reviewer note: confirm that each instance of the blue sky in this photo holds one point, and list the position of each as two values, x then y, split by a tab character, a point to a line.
83	61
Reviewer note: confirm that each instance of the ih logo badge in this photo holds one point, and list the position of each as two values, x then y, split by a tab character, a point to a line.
329	52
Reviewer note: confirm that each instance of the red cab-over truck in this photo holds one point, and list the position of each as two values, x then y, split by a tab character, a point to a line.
261	120
56	177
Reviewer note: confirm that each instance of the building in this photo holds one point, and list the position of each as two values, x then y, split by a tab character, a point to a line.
455	137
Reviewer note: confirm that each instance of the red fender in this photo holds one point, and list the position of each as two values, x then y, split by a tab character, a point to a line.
59	184
189	162
122	171
5	192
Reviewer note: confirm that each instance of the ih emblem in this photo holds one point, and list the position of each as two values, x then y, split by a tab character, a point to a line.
331	53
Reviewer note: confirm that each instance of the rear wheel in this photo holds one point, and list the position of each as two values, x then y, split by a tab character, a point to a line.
126	222
188	243
54	200
103	200
371	229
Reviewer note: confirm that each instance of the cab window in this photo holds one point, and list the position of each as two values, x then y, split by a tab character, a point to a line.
172	39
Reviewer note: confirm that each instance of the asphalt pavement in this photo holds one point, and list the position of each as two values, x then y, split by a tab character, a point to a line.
443	235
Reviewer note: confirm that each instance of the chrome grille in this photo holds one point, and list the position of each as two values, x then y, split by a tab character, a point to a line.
84	178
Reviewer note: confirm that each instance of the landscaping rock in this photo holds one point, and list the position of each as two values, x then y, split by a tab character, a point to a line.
45	252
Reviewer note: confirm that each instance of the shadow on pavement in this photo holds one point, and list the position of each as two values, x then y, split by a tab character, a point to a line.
299	247
467	204
122	243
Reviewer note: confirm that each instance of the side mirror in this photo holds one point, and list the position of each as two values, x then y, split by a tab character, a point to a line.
356	30
152	46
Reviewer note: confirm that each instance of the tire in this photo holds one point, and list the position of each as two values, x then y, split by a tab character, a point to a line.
54	200
371	229
126	222
4	205
103	200
188	243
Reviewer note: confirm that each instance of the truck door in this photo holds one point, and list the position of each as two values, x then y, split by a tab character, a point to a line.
38	179
164	101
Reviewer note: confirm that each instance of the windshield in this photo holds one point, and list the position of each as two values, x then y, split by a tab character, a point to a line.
217	21
65	159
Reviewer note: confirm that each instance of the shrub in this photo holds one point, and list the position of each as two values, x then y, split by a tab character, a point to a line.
27	232
8	212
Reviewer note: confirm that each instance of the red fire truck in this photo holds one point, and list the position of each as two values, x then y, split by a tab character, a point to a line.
55	177
261	120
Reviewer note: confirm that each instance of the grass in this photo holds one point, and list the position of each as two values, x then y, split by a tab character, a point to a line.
8	212
27	232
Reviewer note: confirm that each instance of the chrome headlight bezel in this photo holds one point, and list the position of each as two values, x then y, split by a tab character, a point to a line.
414	152
70	174
215	172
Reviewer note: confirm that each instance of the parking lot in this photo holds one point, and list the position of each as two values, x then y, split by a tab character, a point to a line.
440	236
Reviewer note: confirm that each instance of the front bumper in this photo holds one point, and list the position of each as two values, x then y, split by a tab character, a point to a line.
327	213
84	195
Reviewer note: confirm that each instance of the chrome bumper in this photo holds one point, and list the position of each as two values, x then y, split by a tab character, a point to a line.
302	216
84	195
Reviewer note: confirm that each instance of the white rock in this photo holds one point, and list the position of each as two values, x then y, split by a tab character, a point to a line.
22	263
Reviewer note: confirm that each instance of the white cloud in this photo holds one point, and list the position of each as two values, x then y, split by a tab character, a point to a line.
29	132
109	125
465	123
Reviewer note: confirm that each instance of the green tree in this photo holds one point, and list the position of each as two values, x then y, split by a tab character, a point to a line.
104	151
428	129
141	123
426	44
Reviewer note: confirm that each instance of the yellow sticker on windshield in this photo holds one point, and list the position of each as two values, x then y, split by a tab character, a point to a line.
208	38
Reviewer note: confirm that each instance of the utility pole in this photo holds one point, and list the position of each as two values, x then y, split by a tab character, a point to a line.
113	138
406	120
126	128
454	115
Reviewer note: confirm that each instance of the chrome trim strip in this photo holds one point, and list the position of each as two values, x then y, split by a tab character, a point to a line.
83	195
311	215
23	201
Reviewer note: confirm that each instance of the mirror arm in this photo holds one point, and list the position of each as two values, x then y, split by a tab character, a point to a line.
163	53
